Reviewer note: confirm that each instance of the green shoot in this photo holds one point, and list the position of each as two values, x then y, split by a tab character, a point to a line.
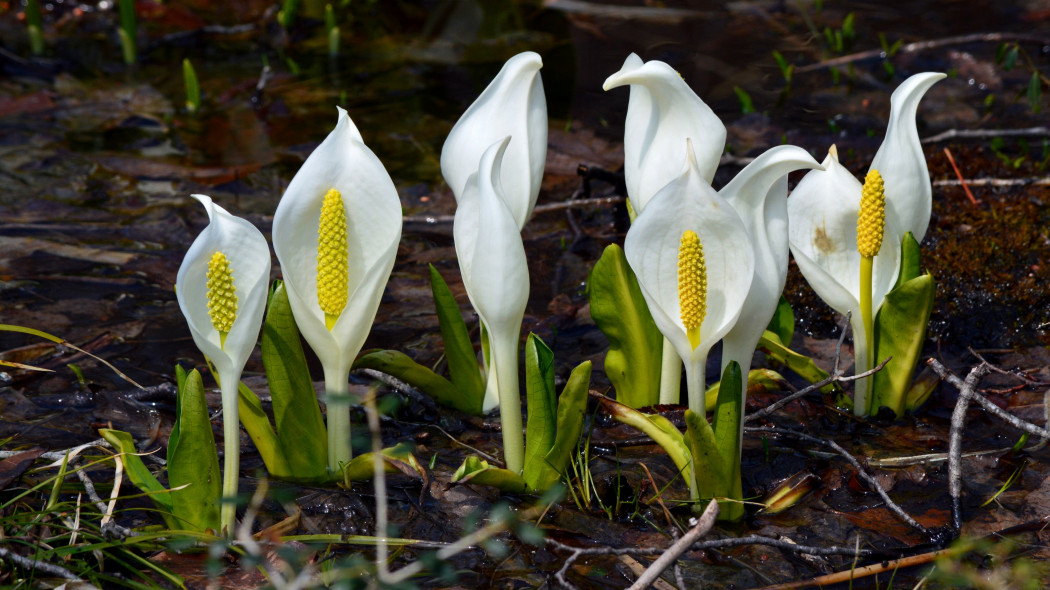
127	30
193	89
35	26
333	30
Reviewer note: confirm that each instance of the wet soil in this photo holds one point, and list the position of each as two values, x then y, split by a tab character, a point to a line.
98	160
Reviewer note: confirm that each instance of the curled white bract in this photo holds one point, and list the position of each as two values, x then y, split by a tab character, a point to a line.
900	160
513	105
492	259
661	114
758	193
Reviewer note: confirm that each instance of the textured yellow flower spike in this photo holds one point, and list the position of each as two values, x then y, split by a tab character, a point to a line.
872	219
222	295
332	258
692	285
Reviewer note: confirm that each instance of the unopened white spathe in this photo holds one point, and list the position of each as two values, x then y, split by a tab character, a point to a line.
513	105
652	247
373	229
662	113
496	276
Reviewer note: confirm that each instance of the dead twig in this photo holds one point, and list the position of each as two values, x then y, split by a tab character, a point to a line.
701	528
968	392
966	187
922	46
987	134
577	552
40	566
861	472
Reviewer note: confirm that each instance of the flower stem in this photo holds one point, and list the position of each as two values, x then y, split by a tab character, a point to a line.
337	391
231	432
697	387
670	375
505	358
863	350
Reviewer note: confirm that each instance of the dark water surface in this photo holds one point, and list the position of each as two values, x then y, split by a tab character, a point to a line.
98	160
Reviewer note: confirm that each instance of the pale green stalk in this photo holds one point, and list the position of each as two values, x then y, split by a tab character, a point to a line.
505	362
670	375
231	472
862	352
337	390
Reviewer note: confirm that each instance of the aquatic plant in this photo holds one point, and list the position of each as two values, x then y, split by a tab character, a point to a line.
336	232
824	210
221	288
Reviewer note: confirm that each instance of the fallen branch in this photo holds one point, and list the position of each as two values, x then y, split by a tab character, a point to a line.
861	473
701	528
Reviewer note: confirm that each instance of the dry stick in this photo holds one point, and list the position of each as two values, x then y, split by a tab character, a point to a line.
547	208
921	46
958	174
40	566
856	573
835	376
967	392
986	134
864	475
577	552
702	527
447	552
379	480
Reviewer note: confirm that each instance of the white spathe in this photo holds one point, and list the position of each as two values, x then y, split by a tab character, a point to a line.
758	193
909	194
662	113
496	276
689	203
249	257
373	223
513	105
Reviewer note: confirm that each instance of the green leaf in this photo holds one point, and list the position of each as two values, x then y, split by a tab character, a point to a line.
257	424
746	105
193	89
910	260
729	419
541	424
301	433
404	368
572	405
804	366
759	380
783	321
193	461
660	430
900	331
462	361
1035	93
396	459
140	475
786	69
477	471
635	344
708	470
